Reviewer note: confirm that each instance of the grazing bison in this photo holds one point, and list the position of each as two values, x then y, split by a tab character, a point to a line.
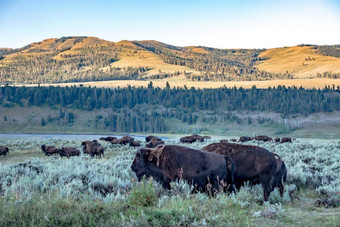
93	148
69	151
3	150
125	140
153	143
286	140
168	163
277	139
252	163
115	141
244	139
107	139
134	144
263	138
149	138
49	150
223	141
191	139
233	140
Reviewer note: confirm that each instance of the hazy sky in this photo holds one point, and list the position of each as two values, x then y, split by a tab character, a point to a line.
214	23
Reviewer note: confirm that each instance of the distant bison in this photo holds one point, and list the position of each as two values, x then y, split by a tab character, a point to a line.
148	138
49	150
223	141
252	163
277	139
3	151
93	148
169	163
286	140
134	144
264	138
207	138
114	141
191	139
154	142
108	139
125	140
68	152
233	140
244	139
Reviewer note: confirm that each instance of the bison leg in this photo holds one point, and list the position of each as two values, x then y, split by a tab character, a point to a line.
281	189
267	188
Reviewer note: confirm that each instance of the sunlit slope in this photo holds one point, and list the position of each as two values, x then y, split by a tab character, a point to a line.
302	61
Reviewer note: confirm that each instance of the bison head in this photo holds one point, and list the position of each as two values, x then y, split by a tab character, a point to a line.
140	163
43	147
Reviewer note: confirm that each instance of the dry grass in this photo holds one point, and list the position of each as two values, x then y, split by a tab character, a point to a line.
180	82
293	60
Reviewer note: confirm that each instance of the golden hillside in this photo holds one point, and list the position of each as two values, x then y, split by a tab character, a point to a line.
302	61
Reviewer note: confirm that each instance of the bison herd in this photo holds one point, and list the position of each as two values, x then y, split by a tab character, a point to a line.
218	166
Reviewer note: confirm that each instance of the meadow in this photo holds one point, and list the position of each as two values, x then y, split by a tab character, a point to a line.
38	190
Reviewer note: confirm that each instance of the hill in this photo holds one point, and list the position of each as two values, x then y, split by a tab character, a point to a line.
80	59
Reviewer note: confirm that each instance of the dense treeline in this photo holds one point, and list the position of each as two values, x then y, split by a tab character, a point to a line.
149	109
328	50
281	99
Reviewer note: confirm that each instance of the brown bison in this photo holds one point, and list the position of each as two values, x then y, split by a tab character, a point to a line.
168	163
93	148
49	150
191	139
233	140
149	138
3	151
277	139
107	139
68	152
286	140
125	140
223	141
154	142
115	141
252	163
244	139
134	144
263	138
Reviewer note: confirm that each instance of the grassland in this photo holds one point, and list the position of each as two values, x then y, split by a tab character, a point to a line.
50	191
318	83
302	61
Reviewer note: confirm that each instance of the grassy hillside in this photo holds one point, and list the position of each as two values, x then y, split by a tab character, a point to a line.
302	61
79	59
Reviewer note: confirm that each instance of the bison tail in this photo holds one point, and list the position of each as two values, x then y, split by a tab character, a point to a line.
277	156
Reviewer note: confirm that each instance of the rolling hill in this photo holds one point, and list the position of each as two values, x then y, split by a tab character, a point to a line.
80	59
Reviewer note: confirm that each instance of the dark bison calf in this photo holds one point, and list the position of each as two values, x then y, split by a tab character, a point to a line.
168	163
93	148
69	151
252	163
3	151
244	139
49	150
286	140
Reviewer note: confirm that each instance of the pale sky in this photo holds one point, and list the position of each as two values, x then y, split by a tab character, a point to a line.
215	23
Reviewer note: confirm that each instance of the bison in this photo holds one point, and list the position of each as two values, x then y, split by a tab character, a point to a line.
107	139
223	141
277	139
69	151
191	139
134	144
49	150
263	138
169	163
93	148
149	138
153	143
280	176
3	151
286	140
244	139
115	141
233	140
125	140
252	163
